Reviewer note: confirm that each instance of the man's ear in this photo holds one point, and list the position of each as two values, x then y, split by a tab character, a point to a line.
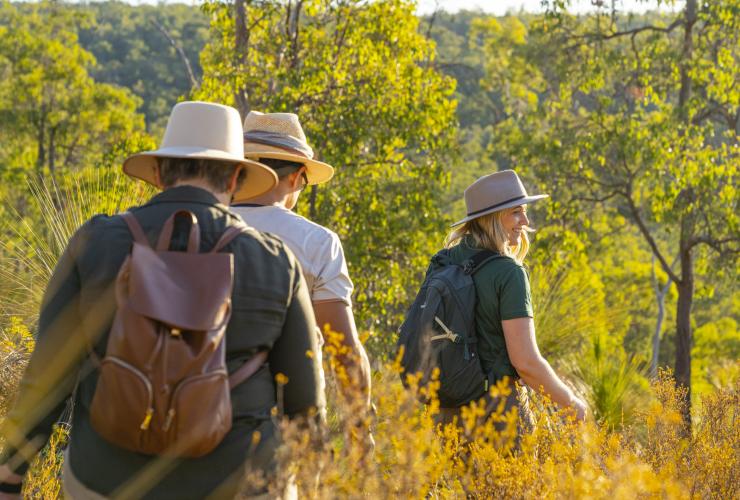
296	179
234	179
157	177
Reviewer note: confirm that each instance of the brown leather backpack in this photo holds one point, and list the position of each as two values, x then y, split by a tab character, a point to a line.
163	385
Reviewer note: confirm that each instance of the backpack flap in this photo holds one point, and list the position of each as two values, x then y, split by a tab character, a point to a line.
189	291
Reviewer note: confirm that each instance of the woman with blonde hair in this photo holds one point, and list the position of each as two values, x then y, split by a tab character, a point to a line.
507	347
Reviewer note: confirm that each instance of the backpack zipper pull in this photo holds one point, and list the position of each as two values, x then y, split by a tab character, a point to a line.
147	419
168	420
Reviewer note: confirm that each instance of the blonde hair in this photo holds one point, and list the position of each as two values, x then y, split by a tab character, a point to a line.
487	231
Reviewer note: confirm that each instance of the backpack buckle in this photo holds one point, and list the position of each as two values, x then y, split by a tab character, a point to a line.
468	266
448	334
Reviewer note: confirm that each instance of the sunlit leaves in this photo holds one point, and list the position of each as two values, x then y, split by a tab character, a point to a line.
361	78
54	115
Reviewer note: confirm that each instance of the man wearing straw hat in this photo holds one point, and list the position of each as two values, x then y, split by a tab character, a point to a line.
278	141
200	167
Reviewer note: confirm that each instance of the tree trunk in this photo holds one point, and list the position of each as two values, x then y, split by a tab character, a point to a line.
686	286
684	338
52	152
660	295
241	54
688	46
656	333
41	137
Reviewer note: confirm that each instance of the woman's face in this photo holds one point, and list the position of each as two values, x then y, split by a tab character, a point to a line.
513	222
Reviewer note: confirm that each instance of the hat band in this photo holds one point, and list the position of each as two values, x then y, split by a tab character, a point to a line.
470	214
281	141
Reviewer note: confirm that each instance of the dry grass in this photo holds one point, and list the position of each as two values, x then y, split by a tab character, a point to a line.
638	449
412	458
651	458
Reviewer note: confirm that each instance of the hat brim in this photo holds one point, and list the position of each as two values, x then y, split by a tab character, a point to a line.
260	178
317	172
521	201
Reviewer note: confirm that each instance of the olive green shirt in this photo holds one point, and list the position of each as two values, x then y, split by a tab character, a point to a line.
502	292
271	310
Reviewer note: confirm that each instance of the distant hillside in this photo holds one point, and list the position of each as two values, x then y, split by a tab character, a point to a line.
132	48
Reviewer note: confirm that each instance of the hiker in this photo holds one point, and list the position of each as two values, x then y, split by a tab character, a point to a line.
278	141
504	326
252	277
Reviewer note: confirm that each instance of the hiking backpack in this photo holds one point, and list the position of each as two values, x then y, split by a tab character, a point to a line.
439	331
163	387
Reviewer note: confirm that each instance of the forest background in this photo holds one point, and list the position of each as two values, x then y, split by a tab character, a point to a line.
630	122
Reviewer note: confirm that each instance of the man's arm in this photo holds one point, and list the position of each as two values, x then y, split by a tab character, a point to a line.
336	315
293	356
52	370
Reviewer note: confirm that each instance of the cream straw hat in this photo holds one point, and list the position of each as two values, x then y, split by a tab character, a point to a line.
206	131
280	136
495	192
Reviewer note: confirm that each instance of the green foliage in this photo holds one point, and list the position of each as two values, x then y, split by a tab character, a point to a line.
582	112
361	78
133	52
16	346
568	297
615	382
717	347
619	121
54	115
55	212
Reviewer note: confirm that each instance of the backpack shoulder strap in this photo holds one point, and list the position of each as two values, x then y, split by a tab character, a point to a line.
228	235
477	261
247	369
135	228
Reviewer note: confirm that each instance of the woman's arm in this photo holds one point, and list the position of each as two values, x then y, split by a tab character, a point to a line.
534	370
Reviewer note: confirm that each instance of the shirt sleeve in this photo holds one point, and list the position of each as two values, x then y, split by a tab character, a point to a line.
52	371
515	299
332	281
295	356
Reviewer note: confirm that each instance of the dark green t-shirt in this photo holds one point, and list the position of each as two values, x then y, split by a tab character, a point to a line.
502	289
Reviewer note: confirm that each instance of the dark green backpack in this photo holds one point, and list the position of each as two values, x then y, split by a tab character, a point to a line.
439	330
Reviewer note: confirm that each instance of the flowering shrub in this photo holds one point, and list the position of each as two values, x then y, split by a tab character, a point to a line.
16	346
412	457
654	456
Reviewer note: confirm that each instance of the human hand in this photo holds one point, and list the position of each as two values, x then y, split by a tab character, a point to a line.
581	409
8	477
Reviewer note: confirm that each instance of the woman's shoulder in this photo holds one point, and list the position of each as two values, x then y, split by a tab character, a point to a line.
502	269
505	263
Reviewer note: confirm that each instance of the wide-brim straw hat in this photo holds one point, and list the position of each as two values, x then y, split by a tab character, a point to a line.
208	131
495	192
280	136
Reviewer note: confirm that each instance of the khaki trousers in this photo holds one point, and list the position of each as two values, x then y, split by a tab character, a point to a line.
72	488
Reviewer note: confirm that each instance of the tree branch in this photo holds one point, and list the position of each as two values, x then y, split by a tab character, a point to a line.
601	36
242	31
178	48
432	18
712	242
649	237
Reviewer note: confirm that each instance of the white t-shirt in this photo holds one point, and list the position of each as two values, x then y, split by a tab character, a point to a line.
317	248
